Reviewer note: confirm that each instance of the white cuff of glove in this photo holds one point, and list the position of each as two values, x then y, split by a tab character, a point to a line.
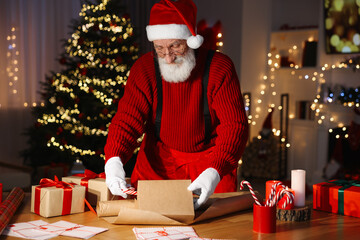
115	176
204	185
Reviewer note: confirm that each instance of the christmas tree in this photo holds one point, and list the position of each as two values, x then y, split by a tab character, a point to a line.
80	101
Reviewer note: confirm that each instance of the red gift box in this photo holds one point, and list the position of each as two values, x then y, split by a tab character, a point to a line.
337	196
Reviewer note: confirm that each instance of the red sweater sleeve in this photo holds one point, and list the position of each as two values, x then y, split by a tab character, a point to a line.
128	124
226	101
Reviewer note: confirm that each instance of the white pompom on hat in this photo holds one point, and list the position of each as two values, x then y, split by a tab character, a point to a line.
174	20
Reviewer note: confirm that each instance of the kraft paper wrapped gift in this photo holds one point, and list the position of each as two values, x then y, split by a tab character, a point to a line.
168	202
96	189
55	198
338	196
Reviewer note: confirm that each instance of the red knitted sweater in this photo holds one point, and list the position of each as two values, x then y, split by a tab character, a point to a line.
182	122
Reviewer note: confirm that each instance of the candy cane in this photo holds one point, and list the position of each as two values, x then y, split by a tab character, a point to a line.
273	193
251	191
290	198
280	195
130	191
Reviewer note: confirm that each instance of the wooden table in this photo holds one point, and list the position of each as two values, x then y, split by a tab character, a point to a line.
238	225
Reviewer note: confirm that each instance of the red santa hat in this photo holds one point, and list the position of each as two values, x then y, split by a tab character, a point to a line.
174	20
268	121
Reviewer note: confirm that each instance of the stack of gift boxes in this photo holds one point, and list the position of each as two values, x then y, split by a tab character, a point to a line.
70	194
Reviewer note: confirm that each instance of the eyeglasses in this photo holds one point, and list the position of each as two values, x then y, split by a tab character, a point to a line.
176	48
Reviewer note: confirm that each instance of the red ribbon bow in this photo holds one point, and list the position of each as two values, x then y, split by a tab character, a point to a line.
87	175
46	182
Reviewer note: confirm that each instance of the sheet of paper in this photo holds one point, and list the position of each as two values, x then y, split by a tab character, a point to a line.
41	230
69	229
176	233
28	230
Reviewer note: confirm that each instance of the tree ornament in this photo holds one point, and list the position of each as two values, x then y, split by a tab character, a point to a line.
60	102
81	115
48	137
104	61
50	80
119	59
95	28
126	16
62	61
63	142
59	131
80	41
113	24
79	135
105	40
83	71
105	111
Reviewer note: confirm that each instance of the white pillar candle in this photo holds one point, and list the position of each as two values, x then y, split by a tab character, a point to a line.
298	177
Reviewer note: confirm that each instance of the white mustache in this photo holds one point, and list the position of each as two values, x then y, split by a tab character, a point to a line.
180	70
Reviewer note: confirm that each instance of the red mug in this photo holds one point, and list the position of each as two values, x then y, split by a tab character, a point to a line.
264	219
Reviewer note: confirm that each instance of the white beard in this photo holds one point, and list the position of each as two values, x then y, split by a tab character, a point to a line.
180	70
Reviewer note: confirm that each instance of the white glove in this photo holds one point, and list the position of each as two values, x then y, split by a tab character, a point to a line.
204	185
115	176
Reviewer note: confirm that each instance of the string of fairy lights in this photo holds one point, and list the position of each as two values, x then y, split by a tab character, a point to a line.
322	116
12	55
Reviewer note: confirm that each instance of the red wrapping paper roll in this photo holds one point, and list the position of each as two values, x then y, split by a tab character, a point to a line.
9	206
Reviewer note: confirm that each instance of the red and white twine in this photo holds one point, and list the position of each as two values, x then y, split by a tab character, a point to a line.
130	191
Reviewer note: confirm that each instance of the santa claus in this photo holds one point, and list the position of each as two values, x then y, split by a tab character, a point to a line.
187	101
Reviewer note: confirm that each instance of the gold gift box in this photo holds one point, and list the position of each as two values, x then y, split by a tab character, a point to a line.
52	198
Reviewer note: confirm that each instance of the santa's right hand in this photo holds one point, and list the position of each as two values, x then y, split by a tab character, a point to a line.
115	177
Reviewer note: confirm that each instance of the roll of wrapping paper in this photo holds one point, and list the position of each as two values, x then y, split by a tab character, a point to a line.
9	206
112	208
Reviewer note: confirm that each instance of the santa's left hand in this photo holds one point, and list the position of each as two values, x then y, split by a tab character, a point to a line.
204	185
